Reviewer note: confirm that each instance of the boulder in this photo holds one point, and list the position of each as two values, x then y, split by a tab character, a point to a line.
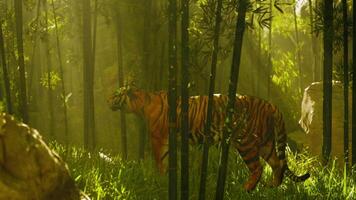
311	119
28	168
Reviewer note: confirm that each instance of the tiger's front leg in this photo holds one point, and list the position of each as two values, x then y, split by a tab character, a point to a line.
160	153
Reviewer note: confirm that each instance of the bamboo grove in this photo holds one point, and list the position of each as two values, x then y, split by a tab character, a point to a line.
61	60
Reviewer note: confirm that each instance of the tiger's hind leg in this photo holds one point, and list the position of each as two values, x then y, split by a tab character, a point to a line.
278	167
268	153
251	157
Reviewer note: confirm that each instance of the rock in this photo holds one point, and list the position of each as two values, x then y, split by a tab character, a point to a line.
312	119
28	168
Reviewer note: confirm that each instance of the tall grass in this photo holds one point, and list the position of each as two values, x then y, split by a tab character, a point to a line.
103	176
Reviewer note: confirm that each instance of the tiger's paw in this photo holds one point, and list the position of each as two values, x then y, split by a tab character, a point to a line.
249	186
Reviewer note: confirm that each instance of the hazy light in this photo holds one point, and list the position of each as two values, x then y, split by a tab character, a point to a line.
299	5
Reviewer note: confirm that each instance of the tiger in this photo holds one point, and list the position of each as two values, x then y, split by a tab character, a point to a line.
263	134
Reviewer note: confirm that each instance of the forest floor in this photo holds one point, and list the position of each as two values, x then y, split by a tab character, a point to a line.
103	176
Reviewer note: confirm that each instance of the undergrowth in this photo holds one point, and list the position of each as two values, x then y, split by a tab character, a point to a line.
104	176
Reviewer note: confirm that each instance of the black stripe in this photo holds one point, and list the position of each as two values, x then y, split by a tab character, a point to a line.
252	160
164	155
259	118
192	110
268	139
245	152
270	153
281	156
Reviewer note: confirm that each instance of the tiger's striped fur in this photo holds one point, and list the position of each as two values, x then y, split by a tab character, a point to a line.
263	132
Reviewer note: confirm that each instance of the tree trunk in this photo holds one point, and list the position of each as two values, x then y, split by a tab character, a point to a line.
162	63
32	75
259	60
2	96
94	31
172	99
21	61
299	63
269	65
121	84
354	84
185	102
146	45
49	70
88	78
234	74
208	138
5	73
260	65
61	71
147	68
315	66
346	84
328	66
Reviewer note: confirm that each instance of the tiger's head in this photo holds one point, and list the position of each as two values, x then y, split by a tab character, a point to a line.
120	99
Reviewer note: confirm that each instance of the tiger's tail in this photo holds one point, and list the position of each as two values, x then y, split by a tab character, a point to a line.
294	177
281	141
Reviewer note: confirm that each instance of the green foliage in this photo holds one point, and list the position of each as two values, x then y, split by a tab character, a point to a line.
202	25
283	25
285	68
285	73
2	106
103	176
50	82
338	22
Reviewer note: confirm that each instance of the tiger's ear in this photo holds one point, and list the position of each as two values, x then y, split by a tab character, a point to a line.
131	91
133	87
128	90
